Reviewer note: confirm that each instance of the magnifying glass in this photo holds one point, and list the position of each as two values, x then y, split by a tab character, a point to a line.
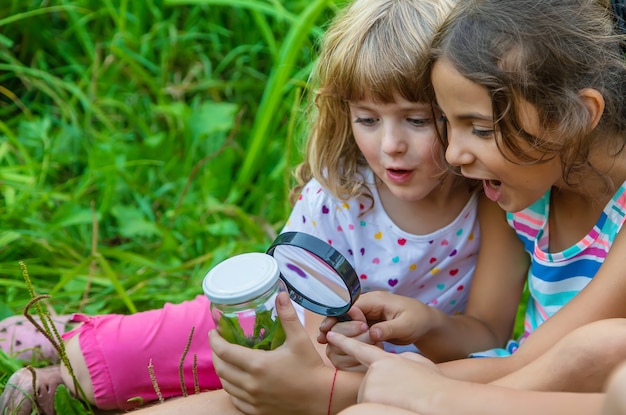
317	276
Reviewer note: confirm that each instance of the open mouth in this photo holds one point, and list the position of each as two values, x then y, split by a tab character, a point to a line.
492	189
495	184
398	175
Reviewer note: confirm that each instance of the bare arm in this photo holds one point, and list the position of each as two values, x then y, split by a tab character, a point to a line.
602	298
424	390
480	399
505	402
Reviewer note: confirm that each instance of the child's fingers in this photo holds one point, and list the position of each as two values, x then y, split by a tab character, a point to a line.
344	361
356	314
232	354
351	328
364	353
347	328
241	356
357	325
376	305
229	363
392	330
289	319
327	324
285	309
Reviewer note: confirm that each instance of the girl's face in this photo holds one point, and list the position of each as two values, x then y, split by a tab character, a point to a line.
399	143
472	143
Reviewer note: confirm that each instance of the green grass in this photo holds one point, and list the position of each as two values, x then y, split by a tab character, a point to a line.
142	142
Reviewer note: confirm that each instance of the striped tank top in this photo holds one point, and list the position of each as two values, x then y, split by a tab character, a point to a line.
554	278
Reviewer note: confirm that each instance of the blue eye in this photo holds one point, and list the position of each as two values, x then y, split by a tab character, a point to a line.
418	122
366	121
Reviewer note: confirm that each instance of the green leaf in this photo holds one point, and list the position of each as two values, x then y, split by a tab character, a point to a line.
262	322
278	334
132	222
231	331
8	364
210	118
73	215
66	405
9	236
225	227
268	332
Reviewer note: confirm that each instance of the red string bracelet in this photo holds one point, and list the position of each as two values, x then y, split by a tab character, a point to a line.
332	389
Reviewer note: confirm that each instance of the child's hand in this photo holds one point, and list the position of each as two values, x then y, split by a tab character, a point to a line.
406	380
280	381
357	329
394	318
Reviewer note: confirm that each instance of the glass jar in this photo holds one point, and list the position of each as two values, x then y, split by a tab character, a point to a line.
242	290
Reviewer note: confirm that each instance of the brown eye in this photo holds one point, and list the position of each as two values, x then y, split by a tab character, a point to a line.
482	133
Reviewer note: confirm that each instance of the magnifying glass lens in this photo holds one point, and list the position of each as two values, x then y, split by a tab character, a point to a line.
308	274
317	276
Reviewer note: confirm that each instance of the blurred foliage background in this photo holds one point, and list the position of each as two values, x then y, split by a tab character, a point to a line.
142	142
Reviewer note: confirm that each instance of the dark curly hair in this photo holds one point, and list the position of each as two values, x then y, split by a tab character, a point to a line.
543	52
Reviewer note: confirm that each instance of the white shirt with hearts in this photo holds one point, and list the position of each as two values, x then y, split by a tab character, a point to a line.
435	268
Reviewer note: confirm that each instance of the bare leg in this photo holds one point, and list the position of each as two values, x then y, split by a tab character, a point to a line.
79	366
615	402
580	362
374	409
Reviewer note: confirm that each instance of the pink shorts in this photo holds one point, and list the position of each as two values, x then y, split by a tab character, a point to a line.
119	348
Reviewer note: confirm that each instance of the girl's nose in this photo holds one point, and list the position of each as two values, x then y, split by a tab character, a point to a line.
393	141
457	154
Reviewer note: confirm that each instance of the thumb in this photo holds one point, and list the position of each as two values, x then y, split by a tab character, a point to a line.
289	319
285	309
384	331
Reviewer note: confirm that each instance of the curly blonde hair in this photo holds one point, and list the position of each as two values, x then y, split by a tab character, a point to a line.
373	48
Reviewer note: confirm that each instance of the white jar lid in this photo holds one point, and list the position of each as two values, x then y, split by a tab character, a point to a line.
240	278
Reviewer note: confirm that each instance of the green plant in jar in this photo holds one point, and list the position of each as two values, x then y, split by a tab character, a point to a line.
242	291
268	333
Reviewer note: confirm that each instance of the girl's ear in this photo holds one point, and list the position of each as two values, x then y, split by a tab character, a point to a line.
594	101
